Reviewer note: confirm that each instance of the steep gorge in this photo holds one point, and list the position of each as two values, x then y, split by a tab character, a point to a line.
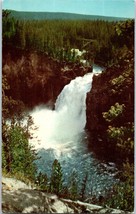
35	78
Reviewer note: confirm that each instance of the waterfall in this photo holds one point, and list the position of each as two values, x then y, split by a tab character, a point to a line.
67	121
60	134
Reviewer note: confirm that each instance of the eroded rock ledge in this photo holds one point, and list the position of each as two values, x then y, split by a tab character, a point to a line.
35	78
18	197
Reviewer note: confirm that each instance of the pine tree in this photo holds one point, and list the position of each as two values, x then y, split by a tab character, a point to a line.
42	181
83	188
73	186
56	177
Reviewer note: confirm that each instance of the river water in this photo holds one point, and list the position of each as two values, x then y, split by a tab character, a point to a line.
60	134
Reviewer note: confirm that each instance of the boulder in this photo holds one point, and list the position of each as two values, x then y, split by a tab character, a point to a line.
22	198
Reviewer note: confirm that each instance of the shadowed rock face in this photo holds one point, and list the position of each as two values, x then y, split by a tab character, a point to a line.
100	99
36	78
18	197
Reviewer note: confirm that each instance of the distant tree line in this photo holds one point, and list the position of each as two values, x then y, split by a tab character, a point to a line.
57	37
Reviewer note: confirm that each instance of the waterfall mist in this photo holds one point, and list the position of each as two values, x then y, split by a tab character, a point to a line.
65	123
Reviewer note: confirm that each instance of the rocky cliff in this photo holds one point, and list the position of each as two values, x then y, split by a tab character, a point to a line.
35	78
114	85
17	197
99	100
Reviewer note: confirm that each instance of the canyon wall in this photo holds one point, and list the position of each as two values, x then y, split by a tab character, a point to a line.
36	78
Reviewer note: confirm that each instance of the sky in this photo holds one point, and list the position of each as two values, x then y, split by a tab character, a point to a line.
116	8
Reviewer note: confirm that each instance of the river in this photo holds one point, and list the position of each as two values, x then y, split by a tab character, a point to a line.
60	134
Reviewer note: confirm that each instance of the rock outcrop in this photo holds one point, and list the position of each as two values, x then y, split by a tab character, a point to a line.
114	85
35	78
18	197
99	100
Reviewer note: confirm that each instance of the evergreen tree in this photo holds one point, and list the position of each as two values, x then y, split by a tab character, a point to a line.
18	155
73	186
56	180
42	181
83	187
8	27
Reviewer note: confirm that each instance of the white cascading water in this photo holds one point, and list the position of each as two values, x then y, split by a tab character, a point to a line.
60	134
67	121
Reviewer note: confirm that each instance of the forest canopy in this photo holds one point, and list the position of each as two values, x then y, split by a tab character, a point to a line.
57	37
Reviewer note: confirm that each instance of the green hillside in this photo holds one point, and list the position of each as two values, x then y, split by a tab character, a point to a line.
60	16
